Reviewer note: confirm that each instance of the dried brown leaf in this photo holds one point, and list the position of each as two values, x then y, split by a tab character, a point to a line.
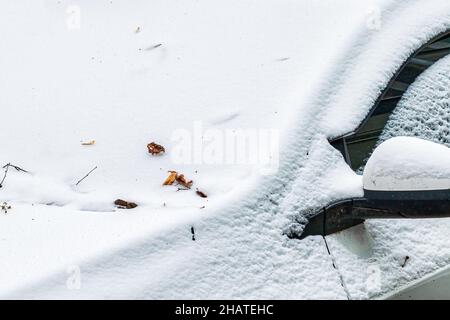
88	143
171	178
122	204
155	148
184	182
131	205
201	194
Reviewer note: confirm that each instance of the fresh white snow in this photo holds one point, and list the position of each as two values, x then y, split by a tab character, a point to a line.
309	69
408	164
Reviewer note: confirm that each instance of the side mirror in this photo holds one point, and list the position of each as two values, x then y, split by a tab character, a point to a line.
410	177
405	177
406	168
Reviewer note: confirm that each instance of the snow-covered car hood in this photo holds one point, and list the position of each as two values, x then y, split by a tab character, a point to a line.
128	75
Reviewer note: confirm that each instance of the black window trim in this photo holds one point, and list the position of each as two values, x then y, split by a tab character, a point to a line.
341	142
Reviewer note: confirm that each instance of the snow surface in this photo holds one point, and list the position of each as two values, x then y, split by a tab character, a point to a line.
309	69
407	164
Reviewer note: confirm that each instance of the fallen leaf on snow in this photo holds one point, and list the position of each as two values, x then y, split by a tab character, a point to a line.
88	143
171	178
179	179
201	194
122	204
184	182
155	148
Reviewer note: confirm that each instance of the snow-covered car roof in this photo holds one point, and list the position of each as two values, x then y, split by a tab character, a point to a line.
127	75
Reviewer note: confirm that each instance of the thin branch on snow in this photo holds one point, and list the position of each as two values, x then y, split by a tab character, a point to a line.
154	47
6	167
87	174
4	177
193	233
15	167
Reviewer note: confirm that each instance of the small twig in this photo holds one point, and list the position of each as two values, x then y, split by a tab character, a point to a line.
201	194
4	177
405	261
6	167
87	174
193	233
15	167
154	47
182	189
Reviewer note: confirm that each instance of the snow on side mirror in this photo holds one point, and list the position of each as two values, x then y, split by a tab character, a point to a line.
408	178
407	167
405	177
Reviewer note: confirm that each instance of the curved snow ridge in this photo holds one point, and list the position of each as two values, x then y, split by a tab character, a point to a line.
369	71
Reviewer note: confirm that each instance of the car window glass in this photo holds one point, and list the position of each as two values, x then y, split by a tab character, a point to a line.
421	85
424	110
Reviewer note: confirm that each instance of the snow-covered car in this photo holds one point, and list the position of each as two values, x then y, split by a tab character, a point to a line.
403	177
265	113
